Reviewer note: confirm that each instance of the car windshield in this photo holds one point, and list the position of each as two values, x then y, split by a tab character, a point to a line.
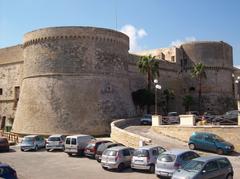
217	138
54	139
172	114
90	146
27	140
3	141
110	152
193	165
147	116
166	157
141	153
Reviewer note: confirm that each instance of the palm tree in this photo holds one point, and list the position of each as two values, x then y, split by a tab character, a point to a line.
187	102
150	66
199	73
168	95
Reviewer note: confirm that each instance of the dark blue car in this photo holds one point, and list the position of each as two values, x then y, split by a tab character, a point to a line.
209	142
7	172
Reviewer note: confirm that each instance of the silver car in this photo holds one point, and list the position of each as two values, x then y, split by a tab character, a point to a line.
55	142
117	158
144	158
206	168
171	160
32	142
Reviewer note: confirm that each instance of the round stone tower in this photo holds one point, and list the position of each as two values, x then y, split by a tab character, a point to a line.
75	81
218	61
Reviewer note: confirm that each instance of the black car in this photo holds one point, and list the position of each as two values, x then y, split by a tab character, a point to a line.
7	172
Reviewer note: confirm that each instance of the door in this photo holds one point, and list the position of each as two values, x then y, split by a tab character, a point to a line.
209	144
126	157
211	171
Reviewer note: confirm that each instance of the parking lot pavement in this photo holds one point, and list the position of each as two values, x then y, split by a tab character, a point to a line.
169	143
57	165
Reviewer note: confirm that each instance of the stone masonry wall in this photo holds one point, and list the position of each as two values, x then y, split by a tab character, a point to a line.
127	138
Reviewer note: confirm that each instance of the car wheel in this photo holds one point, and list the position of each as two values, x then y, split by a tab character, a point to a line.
47	150
22	150
36	148
158	176
229	176
69	154
105	168
220	151
152	168
120	167
192	146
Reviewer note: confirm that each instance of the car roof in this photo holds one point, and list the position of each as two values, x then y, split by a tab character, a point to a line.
31	135
119	148
78	135
56	135
202	133
209	158
176	151
147	147
4	165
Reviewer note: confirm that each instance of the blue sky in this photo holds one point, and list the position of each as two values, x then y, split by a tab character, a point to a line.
150	23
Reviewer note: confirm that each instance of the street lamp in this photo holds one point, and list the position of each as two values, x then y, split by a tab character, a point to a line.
157	86
237	94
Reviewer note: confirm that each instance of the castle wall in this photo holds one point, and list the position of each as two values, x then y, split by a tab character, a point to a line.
75	81
11	68
218	84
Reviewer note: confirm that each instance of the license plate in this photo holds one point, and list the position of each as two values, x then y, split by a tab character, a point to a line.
164	173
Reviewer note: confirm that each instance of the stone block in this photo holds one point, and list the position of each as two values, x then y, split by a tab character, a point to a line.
156	120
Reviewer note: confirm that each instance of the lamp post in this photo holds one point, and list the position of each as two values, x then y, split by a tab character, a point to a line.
157	86
237	94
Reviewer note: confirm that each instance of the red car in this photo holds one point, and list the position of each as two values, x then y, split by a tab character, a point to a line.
91	149
4	145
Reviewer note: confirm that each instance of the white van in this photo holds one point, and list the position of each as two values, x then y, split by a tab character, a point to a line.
75	144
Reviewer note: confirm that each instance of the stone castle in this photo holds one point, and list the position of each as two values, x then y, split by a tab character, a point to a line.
78	79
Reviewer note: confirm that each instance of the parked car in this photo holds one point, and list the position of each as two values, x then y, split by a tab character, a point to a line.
117	158
146	119
4	145
205	168
91	149
229	118
144	158
172	118
76	144
32	142
7	172
103	147
171	160
209	142
55	142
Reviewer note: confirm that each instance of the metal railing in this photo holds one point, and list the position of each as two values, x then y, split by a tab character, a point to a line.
12	137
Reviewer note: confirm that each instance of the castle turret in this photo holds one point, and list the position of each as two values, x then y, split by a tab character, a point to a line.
75	81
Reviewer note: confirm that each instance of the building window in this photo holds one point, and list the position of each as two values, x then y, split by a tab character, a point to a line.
16	96
162	56
1	91
172	58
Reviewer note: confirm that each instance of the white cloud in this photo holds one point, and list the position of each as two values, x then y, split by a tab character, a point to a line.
237	66
134	35
178	42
